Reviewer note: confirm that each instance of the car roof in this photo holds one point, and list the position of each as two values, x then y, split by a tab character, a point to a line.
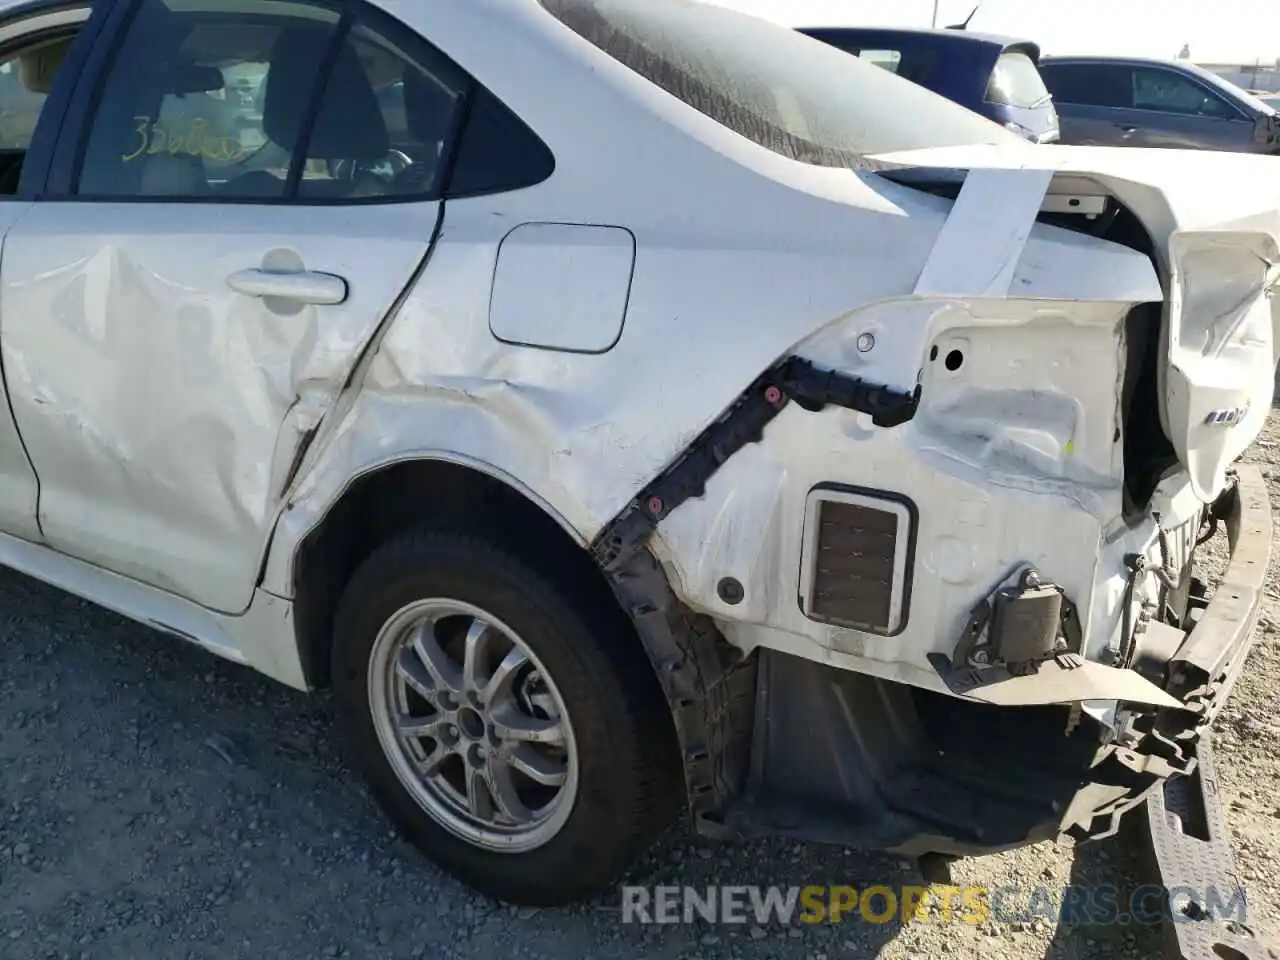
1104	58
1181	66
938	36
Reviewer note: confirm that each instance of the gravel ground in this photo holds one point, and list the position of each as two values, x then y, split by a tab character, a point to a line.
157	802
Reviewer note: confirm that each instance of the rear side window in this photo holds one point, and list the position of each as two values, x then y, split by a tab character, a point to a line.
384	120
165	125
292	102
1088	84
913	62
1016	82
787	92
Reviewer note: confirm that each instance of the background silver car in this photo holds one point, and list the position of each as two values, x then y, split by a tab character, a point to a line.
1111	101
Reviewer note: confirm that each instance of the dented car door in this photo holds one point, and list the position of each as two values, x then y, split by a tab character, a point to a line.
38	39
182	311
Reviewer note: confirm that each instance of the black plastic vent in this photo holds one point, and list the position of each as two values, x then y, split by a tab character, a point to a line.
854	565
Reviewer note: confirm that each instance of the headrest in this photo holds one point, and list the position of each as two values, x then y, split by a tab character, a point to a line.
187	78
350	125
38	68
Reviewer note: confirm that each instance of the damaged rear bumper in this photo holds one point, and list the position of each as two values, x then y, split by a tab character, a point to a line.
1203	668
779	745
1171	697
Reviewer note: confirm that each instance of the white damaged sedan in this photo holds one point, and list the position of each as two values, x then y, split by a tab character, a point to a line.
633	407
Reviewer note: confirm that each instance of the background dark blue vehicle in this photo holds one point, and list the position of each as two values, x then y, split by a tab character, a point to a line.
997	77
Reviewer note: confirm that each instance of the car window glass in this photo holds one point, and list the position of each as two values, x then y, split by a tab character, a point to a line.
1089	84
888	59
1170	92
186	110
384	120
496	151
26	79
777	87
1015	82
27	76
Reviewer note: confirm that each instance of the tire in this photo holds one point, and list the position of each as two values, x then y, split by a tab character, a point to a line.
589	665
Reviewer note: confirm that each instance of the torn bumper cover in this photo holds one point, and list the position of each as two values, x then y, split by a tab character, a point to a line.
1206	666
1172	701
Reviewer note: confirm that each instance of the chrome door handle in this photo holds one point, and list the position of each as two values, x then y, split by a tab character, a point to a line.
307	286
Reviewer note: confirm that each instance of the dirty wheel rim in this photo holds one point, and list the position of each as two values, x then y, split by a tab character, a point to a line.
473	725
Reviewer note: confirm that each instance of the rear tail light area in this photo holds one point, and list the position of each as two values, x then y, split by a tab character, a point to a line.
855	569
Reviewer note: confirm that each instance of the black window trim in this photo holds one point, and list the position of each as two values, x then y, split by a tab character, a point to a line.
76	123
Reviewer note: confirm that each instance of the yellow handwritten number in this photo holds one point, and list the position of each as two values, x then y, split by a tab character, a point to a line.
156	137
144	134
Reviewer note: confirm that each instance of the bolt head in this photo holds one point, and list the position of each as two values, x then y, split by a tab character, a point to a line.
866	342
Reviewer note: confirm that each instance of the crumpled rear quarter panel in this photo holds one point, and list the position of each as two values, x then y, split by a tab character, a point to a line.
714	300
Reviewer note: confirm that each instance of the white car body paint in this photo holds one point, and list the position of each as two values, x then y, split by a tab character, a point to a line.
18	488
262	637
171	471
1018	443
562	286
1215	220
741	257
979	246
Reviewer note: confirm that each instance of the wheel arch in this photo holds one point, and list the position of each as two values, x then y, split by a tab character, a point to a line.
708	689
393	496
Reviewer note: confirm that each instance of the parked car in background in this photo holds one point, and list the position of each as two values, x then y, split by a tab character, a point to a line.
994	76
1109	101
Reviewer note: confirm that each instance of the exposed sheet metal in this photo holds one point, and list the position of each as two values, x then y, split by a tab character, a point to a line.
1215	221
1066	679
